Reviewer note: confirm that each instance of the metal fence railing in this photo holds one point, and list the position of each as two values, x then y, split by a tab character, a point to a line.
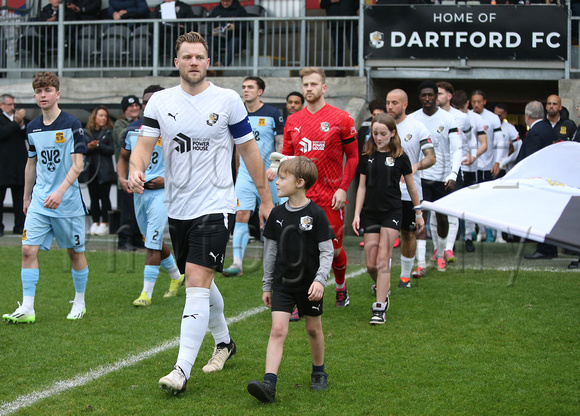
256	45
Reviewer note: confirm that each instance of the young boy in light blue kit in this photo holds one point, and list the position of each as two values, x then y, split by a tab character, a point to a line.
53	203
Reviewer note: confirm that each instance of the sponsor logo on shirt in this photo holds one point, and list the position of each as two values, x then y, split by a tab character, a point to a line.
59	137
325	126
174	116
212	119
186	144
305	223
306	145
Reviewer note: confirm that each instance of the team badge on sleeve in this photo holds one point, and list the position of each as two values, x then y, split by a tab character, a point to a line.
212	119
325	126
305	223
59	137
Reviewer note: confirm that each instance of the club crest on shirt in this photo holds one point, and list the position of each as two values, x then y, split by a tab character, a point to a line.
159	143
261	122
408	137
563	130
325	126
212	119
305	223
390	161
59	138
440	129
24	235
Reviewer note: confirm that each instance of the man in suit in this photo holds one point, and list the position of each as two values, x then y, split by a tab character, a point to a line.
13	157
540	135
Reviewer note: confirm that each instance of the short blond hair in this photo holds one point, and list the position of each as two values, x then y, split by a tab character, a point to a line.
302	168
313	70
190	37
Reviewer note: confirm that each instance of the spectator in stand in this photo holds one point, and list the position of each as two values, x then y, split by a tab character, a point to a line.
172	11
49	34
85	9
294	102
340	29
49	13
228	35
13	158
129	235
99	172
558	118
128	9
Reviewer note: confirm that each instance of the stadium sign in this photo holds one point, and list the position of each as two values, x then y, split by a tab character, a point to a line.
532	32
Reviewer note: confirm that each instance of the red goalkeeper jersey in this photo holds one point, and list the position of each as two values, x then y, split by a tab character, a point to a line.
324	137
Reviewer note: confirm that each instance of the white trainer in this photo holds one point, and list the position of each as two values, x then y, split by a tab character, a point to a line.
221	353
174	382
94	228
102	229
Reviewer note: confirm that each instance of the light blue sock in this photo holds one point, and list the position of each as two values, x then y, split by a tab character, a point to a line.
29	279
168	262
241	237
80	278
150	274
170	267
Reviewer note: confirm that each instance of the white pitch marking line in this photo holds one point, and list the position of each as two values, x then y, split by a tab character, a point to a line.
80	380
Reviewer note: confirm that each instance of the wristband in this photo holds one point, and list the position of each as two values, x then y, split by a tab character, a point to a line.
418	215
417	207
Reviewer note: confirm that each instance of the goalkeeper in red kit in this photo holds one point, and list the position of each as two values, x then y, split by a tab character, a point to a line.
325	134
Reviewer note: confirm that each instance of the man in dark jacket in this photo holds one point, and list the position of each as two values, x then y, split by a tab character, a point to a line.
228	35
128	9
13	158
558	118
539	136
85	9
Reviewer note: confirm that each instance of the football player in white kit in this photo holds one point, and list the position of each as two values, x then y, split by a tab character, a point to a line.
199	124
419	148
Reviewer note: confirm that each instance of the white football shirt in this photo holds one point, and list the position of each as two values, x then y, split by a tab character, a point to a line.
414	138
471	142
198	134
444	133
492	127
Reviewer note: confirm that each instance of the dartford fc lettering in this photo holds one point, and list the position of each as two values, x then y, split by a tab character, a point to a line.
476	39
